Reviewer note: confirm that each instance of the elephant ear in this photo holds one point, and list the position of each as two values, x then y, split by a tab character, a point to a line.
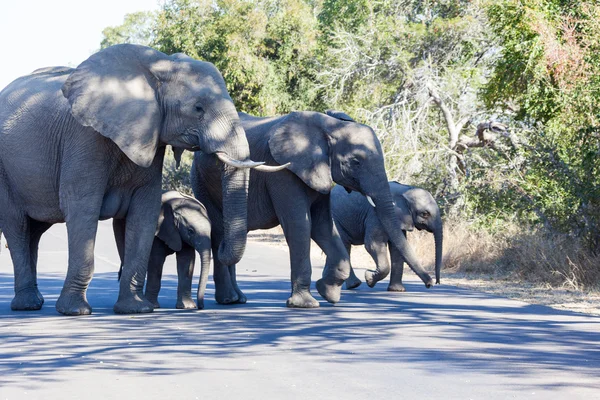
339	115
114	92
167	229
301	140
404	213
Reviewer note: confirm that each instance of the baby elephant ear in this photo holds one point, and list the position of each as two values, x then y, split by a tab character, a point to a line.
167	229
339	115
404	213
300	139
114	92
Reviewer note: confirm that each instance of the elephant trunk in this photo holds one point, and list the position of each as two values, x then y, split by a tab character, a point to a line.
203	248
235	203
384	208
438	235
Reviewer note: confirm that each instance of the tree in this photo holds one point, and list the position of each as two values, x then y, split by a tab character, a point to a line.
548	78
136	29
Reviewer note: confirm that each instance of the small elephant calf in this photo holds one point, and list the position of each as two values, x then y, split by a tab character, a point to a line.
357	223
183	228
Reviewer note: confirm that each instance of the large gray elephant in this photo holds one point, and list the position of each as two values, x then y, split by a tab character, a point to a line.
79	145
358	223
183	228
321	149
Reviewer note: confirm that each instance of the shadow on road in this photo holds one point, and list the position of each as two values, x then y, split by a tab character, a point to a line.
472	331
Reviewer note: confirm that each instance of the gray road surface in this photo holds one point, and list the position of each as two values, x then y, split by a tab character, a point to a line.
443	343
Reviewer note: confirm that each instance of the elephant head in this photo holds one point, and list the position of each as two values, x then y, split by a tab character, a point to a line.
323	149
141	99
184	219
416	208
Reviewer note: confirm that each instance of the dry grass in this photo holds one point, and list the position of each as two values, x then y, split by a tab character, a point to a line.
557	261
539	269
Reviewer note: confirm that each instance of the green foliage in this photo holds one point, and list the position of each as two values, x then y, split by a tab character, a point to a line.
264	49
531	64
548	75
136	29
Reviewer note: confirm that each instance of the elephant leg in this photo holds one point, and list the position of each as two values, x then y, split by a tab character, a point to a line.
233	275
225	292
140	228
378	251
352	282
18	232
397	269
297	235
119	232
186	259
337	264
156	262
81	231
37	230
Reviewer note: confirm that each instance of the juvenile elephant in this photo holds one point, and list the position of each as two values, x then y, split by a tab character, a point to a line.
320	149
183	228
358	223
87	144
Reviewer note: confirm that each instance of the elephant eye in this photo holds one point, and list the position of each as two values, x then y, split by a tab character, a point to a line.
424	214
354	161
199	110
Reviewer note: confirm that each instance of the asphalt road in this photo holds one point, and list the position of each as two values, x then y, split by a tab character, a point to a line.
442	343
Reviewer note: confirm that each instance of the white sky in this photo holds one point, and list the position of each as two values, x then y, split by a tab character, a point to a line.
43	33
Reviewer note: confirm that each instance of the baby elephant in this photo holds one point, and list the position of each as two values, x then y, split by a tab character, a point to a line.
183	228
357	223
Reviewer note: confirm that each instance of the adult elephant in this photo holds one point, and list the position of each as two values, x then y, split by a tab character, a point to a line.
320	149
358	223
79	145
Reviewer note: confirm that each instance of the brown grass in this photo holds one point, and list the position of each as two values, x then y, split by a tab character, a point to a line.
558	261
532	257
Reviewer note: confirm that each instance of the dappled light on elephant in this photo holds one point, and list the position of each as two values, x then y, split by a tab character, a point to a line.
322	150
359	223
87	143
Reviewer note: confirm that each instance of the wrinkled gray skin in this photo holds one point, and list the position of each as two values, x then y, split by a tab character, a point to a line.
322	149
87	144
183	228
358	223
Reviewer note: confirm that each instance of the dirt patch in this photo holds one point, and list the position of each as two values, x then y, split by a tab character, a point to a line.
564	299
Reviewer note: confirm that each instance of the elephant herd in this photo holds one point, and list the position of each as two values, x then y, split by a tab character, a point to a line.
79	145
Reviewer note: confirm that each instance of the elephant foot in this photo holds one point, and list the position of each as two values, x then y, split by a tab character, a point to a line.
302	300
185	303
241	296
200	302
152	299
73	304
353	282
329	292
29	299
226	296
370	278
133	304
396	287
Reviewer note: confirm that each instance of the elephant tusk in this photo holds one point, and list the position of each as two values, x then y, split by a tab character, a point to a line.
371	201
271	168
237	163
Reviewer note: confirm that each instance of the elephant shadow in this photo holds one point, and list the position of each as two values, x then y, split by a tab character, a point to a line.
371	325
